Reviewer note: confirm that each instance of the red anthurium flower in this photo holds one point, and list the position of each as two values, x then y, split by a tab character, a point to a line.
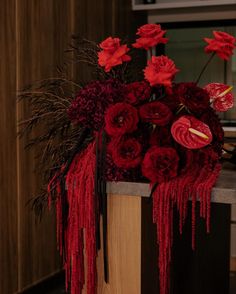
150	35
191	132
126	153
155	112
223	44
113	53
160	164
221	96
121	118
160	71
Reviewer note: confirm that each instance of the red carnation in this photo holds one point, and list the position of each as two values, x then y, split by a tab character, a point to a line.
113	53
192	97
137	92
150	35
121	118
155	112
126	153
220	96
223	44
160	164
160	71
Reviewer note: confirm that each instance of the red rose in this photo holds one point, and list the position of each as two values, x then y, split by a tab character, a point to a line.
161	136
160	164
193	97
223	44
220	96
121	118
113	53
150	35
137	92
126	153
160	71
110	44
155	112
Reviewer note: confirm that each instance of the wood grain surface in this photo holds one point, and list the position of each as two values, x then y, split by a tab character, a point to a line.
124	247
8	175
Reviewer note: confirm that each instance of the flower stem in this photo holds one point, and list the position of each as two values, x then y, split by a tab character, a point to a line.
204	68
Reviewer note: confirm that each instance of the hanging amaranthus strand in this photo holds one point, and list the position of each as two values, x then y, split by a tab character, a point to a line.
194	185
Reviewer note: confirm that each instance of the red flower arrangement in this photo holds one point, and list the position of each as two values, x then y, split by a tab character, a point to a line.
166	133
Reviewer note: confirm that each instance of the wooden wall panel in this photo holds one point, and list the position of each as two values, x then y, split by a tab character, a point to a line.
43	31
8	175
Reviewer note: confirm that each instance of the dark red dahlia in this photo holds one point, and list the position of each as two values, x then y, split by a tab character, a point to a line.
192	97
155	112
160	164
212	120
137	92
161	136
120	119
126	153
88	108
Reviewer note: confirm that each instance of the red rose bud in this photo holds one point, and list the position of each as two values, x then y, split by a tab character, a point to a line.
121	118
223	44
126	153
191	132
160	71
113	53
137	92
160	164
221	96
155	113
150	36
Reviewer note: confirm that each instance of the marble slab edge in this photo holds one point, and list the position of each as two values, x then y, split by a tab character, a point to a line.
223	192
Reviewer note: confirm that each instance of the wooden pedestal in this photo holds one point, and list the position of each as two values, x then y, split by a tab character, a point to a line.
133	259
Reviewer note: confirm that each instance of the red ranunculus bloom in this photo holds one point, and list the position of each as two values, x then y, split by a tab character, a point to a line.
160	71
220	95
137	92
160	164
155	112
121	118
113	53
193	97
126	153
223	44
150	35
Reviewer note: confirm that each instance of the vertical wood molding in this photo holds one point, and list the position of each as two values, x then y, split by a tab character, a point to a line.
8	187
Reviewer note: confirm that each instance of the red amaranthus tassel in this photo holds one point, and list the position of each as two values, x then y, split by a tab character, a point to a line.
79	228
195	184
81	221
